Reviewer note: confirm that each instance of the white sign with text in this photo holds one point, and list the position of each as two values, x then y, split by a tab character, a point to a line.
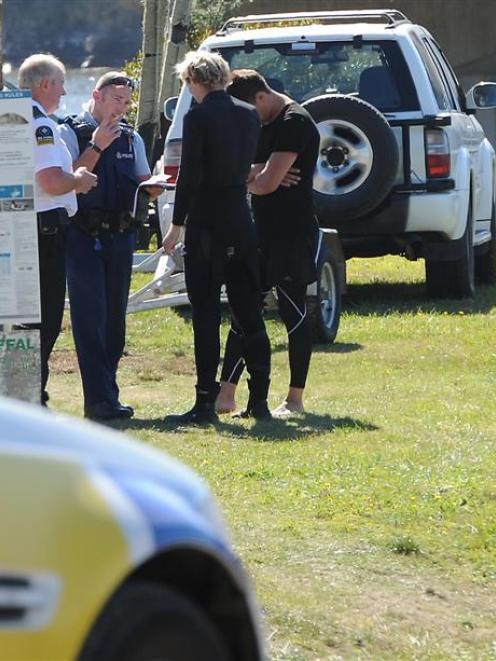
19	270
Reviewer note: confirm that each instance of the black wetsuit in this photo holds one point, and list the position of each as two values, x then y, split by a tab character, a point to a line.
220	138
288	236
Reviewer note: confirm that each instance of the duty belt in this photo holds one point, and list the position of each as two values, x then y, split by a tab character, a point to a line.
113	221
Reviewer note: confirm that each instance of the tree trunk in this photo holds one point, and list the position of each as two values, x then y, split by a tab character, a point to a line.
165	25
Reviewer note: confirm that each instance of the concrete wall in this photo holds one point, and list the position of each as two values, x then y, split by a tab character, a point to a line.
465	29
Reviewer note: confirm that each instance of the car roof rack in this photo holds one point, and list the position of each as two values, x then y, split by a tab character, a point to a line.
390	17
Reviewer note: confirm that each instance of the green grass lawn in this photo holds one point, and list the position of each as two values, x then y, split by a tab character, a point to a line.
369	524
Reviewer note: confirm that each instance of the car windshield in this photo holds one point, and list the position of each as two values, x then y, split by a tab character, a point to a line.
374	71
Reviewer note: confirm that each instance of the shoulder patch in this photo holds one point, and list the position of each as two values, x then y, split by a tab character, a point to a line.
44	136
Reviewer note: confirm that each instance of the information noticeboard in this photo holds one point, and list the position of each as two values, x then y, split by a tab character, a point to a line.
19	279
19	268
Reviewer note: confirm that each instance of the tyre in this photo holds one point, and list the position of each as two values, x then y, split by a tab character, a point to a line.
324	309
145	622
485	263
454	278
358	160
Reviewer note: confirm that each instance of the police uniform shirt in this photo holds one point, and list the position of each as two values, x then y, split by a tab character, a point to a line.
50	151
141	167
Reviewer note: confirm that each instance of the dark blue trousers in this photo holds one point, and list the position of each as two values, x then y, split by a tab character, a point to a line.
98	279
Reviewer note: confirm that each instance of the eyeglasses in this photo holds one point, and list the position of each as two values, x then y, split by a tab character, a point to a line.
118	80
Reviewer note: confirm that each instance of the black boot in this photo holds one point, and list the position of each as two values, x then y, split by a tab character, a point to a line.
257	406
202	413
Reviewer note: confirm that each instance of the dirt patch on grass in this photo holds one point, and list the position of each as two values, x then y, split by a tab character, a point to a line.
430	613
150	366
381	609
154	366
63	361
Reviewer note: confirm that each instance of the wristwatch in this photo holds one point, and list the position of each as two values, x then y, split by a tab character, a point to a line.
92	145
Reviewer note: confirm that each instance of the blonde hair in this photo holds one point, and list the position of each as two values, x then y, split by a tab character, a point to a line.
205	68
38	67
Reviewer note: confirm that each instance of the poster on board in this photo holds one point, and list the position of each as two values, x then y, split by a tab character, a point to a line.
19	279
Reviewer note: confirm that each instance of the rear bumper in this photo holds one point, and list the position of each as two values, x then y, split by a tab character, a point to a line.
414	217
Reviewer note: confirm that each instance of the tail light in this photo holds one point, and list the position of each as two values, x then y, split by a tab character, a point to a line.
437	154
172	159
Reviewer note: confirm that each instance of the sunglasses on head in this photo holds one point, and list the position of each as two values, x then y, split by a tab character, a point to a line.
118	80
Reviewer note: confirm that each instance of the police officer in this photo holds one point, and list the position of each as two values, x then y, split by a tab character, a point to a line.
220	137
101	239
56	186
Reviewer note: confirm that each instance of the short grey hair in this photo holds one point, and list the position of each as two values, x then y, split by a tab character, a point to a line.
38	67
205	68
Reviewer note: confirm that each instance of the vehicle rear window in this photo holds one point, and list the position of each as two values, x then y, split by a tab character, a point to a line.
375	71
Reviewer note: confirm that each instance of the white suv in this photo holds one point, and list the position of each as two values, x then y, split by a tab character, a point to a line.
404	165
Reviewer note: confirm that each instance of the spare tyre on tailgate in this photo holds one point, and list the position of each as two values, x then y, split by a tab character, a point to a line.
358	159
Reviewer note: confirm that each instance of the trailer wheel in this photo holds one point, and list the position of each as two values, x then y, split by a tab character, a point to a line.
324	308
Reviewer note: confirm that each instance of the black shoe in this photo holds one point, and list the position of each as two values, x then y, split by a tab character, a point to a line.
256	408
44	398
126	406
105	411
202	413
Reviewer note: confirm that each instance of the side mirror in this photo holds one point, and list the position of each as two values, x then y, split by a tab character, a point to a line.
170	107
481	96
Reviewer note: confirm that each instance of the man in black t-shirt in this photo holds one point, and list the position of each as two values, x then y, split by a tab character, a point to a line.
286	227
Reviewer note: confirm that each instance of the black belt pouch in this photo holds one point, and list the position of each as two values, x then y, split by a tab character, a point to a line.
50	222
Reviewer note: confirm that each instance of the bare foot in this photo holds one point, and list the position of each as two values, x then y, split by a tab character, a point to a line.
225	406
226	401
287	409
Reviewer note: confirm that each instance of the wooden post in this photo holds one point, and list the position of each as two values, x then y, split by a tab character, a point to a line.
175	48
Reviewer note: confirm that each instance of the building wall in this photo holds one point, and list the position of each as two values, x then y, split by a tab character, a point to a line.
465	29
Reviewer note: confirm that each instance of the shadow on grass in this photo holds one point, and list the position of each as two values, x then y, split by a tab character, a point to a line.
337	347
266	431
385	297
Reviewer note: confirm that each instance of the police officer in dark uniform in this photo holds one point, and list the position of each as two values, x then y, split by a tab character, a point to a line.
220	137
101	240
56	186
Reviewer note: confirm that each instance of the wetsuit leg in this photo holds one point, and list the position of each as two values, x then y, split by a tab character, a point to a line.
203	282
244	298
233	363
291	298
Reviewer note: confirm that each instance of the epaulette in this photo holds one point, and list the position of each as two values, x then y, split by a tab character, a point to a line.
37	114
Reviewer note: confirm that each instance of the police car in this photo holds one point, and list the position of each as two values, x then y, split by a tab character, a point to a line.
112	551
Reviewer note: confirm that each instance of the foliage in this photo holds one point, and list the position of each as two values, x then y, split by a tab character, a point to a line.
209	16
405	546
369	524
133	70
